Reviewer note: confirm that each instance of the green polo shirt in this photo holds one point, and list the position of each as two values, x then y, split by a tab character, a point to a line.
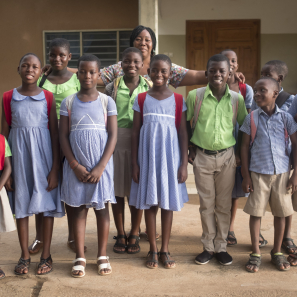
214	128
125	103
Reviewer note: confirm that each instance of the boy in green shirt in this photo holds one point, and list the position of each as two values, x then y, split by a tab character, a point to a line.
214	110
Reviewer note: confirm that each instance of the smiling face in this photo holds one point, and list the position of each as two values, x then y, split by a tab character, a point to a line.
30	69
159	72
269	71
131	64
88	74
265	92
217	74
59	57
233	60
144	43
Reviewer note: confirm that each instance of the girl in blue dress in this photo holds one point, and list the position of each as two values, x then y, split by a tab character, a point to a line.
88	135
30	124
159	157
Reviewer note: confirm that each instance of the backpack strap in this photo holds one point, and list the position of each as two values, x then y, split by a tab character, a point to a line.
234	102
282	98
104	102
178	110
254	125
2	151
7	96
49	100
42	81
141	98
242	88
198	102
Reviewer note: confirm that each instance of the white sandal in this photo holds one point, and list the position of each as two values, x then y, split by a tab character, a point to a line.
78	267
104	265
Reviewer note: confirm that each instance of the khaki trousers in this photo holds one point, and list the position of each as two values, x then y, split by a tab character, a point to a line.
214	178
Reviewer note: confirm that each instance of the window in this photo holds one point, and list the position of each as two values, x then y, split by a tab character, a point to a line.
106	45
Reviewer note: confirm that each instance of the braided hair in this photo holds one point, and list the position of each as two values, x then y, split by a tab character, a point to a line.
137	31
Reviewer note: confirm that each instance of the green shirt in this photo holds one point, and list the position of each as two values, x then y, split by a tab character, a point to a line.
61	91
214	128
7	149
125	103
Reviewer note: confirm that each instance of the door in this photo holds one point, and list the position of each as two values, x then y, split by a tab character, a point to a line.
207	38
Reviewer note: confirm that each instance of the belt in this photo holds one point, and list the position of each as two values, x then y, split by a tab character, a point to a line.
208	152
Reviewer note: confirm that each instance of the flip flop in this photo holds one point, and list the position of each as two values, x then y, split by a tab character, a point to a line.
231	237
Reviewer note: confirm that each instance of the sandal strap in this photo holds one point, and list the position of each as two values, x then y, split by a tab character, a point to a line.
120	236
255	259
153	258
279	258
167	254
46	262
293	245
79	259
104	266
24	262
103	258
78	268
134	237
35	242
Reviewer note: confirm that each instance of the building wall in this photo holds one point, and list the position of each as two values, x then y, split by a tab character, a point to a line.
22	24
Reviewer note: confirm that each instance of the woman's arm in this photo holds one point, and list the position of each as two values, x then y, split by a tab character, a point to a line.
112	130
135	145
183	143
6	172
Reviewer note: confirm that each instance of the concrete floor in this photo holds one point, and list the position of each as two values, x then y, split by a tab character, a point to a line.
130	277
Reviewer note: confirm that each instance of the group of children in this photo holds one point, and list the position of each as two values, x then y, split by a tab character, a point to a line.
136	141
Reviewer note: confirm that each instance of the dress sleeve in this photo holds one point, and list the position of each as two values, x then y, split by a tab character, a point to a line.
246	126
249	97
108	74
135	105
7	149
178	73
63	108
111	107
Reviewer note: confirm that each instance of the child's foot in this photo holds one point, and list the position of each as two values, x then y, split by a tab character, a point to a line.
292	259
45	266
167	260
120	244
35	247
22	267
2	274
289	246
204	257
103	264
152	261
224	258
280	262
78	270
133	246
254	263
231	239
71	245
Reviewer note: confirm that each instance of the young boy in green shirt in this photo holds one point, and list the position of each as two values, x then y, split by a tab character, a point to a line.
214	110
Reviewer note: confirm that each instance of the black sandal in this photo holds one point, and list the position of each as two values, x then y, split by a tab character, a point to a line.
3	274
22	264
45	263
255	260
166	262
279	259
120	245
287	248
153	260
132	245
262	242
231	238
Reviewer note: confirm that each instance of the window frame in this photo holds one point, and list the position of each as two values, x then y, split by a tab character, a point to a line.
80	38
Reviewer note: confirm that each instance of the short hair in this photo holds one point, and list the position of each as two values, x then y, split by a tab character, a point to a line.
131	50
89	58
30	54
136	31
228	50
60	42
218	58
271	80
161	57
280	67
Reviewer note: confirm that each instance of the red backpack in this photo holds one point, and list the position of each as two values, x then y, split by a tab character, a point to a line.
242	88
7	96
178	109
2	151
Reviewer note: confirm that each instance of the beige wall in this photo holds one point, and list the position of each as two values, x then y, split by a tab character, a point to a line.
273	47
22	23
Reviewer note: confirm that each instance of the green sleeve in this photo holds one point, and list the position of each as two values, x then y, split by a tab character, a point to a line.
7	149
242	112
190	104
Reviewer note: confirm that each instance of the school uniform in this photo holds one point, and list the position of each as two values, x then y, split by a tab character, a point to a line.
270	164
214	165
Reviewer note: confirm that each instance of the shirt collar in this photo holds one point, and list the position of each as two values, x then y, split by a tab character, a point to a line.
19	97
123	85
209	92
277	110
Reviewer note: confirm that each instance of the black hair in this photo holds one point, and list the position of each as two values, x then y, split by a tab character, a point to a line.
60	42
138	30
270	79
218	58
280	67
89	58
161	57
29	54
228	50
131	50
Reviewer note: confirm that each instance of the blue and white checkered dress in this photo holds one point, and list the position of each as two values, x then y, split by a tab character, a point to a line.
158	158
